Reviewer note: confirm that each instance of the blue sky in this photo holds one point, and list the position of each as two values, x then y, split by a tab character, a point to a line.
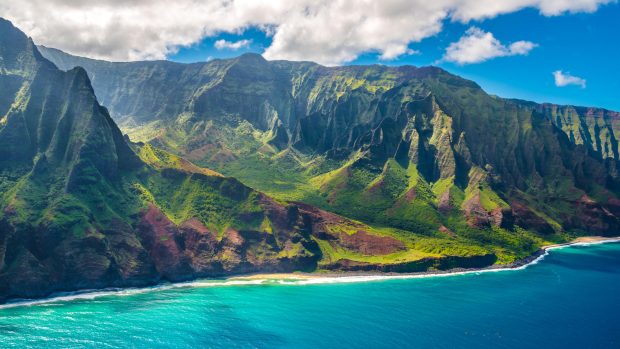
585	45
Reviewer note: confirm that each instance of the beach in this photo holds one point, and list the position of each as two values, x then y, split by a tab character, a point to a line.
300	278
369	276
536	305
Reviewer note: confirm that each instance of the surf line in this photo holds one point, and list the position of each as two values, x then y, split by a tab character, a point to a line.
287	279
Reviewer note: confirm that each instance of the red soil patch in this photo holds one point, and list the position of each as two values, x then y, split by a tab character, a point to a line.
321	218
157	232
377	186
190	167
202	151
223	155
497	216
410	195
369	244
476	215
445	230
585	199
195	225
526	218
161	226
233	237
336	190
444	204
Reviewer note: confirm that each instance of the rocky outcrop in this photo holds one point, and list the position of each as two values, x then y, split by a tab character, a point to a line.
423	265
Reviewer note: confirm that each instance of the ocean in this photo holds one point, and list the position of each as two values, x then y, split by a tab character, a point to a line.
569	299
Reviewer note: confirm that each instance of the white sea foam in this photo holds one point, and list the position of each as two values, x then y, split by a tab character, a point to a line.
90	295
284	280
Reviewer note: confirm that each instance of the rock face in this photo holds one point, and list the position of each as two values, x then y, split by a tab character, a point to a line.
406	147
299	98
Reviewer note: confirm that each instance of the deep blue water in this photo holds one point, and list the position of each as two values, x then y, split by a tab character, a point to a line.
568	300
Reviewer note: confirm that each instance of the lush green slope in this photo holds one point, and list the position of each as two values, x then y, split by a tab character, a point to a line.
436	173
411	148
80	207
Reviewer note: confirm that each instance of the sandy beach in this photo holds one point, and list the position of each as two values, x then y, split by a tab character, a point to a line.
583	240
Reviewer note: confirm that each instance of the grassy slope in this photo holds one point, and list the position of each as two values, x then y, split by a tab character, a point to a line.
179	206
287	177
418	246
391	194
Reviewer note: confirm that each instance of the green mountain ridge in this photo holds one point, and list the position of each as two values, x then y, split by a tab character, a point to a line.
143	81
411	148
81	207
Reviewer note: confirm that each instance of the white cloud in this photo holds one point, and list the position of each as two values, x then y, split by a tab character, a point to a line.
478	46
231	45
326	31
565	79
470	10
393	52
521	47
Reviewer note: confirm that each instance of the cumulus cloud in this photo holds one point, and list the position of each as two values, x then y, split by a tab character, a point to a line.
231	45
470	10
478	46
326	31
521	48
564	79
393	52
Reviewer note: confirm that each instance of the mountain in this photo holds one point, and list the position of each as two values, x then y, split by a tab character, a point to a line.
82	207
416	149
139	92
422	168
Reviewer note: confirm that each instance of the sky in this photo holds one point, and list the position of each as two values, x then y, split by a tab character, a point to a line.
560	51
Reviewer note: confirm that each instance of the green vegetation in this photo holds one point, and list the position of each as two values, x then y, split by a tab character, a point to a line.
416	164
417	150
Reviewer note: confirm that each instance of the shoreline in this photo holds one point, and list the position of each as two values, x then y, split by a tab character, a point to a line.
517	265
301	278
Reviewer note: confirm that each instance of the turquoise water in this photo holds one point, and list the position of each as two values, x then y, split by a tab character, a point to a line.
568	300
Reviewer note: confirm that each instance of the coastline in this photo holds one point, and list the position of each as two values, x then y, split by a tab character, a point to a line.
517	265
301	278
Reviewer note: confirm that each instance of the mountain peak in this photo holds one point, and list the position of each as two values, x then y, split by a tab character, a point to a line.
5	24
52	113
251	57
